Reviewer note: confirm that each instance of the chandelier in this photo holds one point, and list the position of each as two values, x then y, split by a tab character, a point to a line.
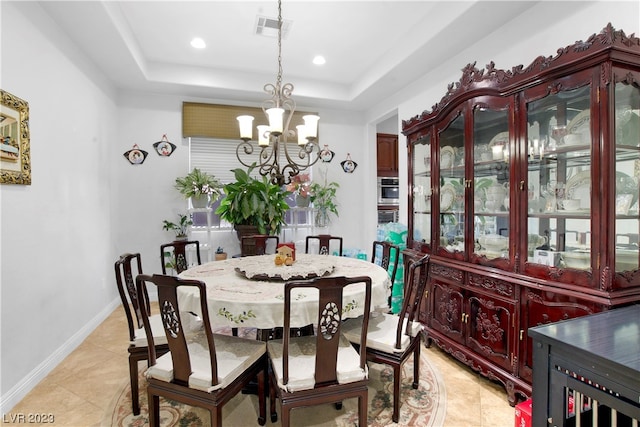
279	159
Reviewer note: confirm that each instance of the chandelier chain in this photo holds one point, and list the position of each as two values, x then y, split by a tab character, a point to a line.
279	76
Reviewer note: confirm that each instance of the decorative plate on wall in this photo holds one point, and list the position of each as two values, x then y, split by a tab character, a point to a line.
326	155
136	156
163	147
349	165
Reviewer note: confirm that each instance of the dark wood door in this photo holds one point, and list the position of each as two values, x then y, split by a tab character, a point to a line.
539	308
448	310
387	154
489	328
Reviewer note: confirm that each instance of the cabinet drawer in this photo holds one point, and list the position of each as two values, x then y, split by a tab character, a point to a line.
447	274
493	285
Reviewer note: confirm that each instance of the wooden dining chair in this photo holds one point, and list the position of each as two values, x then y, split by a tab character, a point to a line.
392	338
324	243
324	368
178	259
204	371
126	268
256	244
386	255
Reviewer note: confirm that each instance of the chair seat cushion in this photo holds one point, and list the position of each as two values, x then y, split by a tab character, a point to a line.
159	337
234	355
302	359
381	334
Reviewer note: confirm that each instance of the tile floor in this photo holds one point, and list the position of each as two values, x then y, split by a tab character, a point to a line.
80	389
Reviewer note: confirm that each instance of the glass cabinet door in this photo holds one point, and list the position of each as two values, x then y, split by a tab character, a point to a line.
559	172
422	189
627	167
491	182
451	172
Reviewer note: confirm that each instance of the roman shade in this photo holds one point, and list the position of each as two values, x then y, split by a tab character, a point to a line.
219	121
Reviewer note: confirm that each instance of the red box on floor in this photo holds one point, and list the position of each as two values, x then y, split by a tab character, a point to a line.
523	414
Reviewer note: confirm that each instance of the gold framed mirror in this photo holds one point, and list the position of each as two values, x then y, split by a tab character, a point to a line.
15	149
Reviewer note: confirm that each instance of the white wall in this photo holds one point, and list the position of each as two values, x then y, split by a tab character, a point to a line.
57	247
147	195
87	204
541	31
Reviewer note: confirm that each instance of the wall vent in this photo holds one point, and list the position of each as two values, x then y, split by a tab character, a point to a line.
266	26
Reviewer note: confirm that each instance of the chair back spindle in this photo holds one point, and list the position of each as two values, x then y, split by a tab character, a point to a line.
173	326
388	256
126	268
324	243
330	311
179	252
418	276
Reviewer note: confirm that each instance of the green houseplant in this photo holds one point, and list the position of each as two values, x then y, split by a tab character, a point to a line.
180	227
200	186
253	202
323	197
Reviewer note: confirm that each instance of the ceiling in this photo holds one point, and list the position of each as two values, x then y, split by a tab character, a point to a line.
372	48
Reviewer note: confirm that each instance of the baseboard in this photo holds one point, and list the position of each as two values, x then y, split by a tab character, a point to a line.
19	391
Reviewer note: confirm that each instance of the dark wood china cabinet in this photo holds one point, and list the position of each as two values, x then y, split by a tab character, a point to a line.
524	189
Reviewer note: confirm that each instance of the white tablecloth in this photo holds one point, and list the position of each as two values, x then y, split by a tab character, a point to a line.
236	301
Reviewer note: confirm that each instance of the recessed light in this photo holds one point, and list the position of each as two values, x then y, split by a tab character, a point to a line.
319	60
198	43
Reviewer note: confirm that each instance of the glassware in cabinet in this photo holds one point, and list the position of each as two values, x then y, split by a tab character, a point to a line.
627	168
422	190
451	189
491	192
559	193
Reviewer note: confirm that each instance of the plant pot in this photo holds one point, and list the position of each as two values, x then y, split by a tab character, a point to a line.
245	230
199	202
221	256
302	201
322	218
180	238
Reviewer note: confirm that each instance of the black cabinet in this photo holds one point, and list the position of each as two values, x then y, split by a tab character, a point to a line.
586	370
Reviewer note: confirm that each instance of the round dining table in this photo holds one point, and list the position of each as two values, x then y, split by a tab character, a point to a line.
249	291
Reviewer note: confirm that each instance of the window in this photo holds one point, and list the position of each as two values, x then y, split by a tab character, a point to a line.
213	156
218	157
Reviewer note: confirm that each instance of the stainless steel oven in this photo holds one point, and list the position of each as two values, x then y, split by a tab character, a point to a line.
388	191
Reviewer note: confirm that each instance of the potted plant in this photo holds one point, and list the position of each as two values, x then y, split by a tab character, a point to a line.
220	254
252	202
323	197
201	187
179	228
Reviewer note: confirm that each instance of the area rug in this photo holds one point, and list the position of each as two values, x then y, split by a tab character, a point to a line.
424	406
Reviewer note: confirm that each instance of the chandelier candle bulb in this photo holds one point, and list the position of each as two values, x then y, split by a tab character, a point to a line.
275	120
246	127
263	135
302	134
311	125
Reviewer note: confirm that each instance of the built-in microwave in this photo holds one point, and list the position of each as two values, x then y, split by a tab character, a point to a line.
388	191
388	215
